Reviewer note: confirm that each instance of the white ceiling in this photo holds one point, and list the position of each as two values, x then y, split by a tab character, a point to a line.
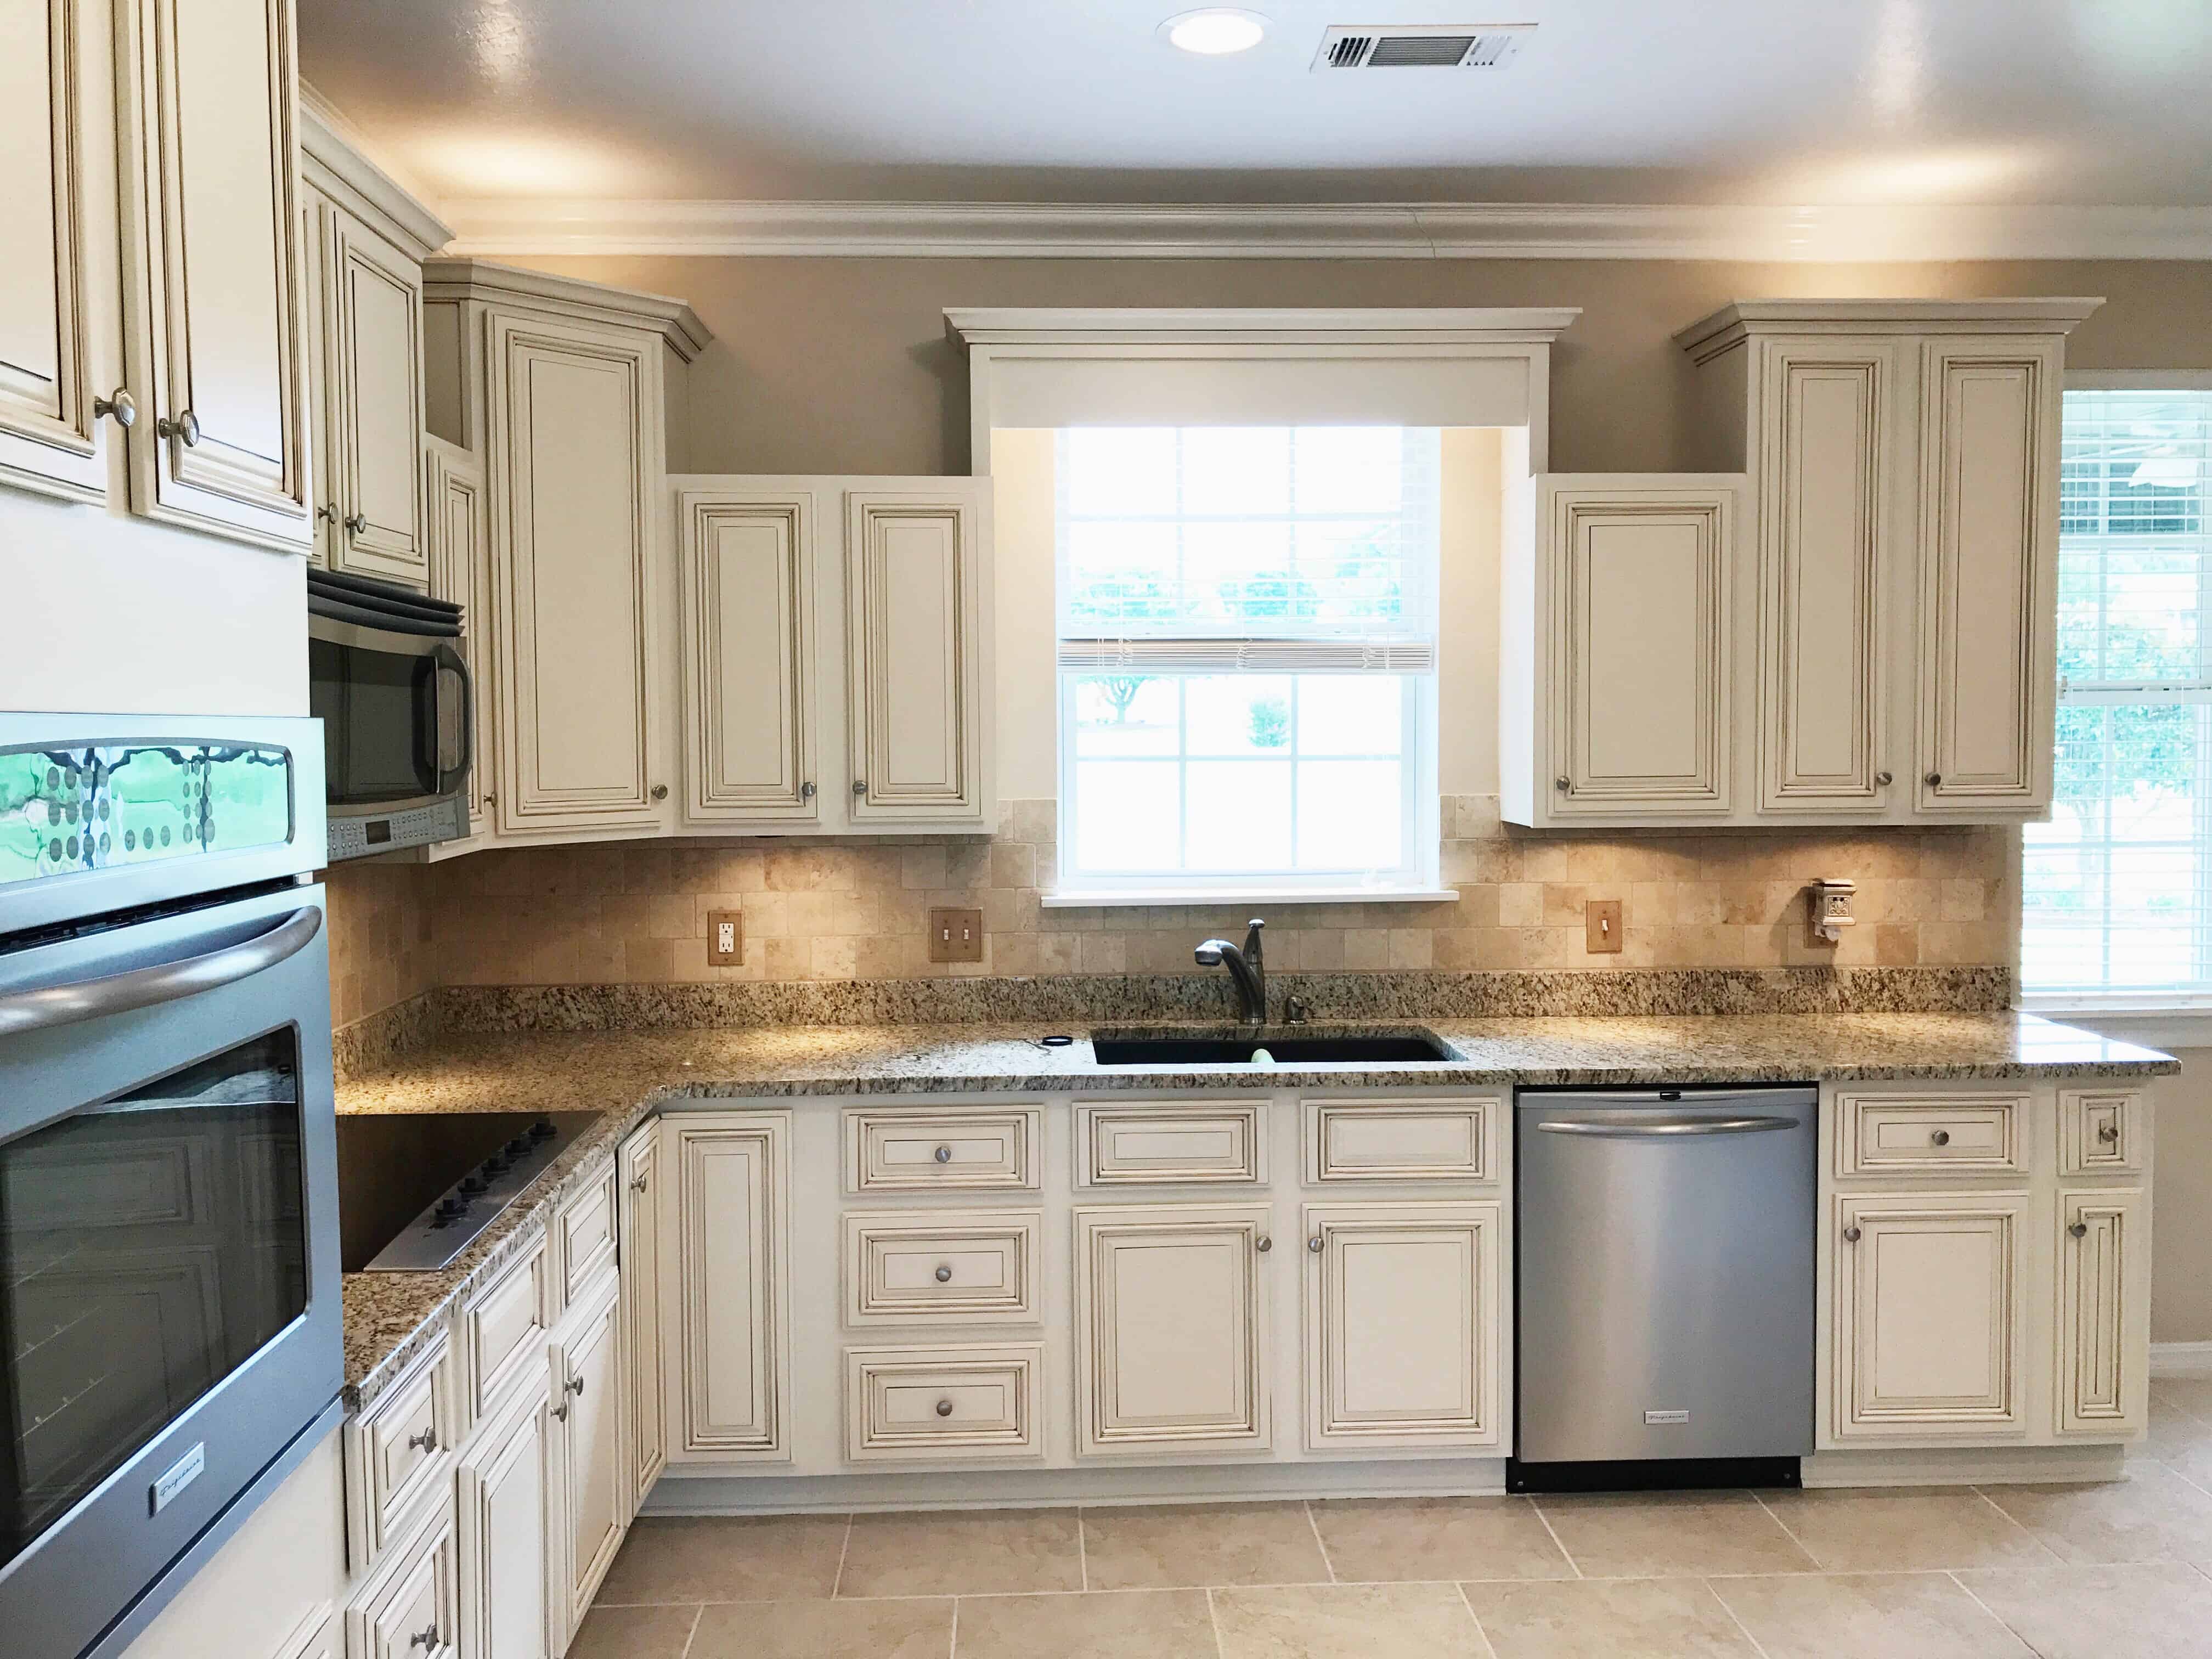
1993	101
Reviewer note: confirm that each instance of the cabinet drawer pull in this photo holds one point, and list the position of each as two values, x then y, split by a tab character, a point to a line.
576	1386
354	523
1933	779
660	792
943	1155
943	1273
944	1408
423	1638
2108	1132
119	404
1884	779
560	1413
1942	1137
637	1183
185	427
1263	1243
1315	1245
426	1441
1851	1234
2080	1229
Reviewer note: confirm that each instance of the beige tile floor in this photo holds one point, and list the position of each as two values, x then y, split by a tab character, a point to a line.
2116	1572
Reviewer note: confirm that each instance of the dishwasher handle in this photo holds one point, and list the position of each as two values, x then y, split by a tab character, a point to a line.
1667	1128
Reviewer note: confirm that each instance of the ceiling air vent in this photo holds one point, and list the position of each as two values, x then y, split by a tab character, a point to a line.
1420	46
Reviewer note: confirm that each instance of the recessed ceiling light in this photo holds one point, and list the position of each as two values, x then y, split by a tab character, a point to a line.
1215	31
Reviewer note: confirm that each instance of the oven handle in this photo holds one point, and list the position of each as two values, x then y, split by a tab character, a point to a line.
143	988
1614	1129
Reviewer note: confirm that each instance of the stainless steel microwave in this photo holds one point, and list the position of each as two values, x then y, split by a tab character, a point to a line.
398	711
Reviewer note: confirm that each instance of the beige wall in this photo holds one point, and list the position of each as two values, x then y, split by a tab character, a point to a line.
2181	1225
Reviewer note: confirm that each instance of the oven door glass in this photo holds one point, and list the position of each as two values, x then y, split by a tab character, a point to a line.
150	1246
375	706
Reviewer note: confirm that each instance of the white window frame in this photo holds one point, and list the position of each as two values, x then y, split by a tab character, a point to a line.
2144	1014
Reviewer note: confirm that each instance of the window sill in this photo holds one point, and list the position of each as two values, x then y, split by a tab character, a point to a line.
2179	1021
1113	898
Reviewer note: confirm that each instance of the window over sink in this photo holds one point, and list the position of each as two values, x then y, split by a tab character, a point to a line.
1247	658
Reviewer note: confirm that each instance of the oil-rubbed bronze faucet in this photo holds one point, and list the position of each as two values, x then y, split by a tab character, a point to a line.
1247	967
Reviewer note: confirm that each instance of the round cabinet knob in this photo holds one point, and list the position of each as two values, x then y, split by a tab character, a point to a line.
660	792
1884	779
426	1441
1560	783
186	428
2108	1132
943	1274
944	1408
1942	1137
576	1386
859	785
560	1413
2079	1230
1933	779
423	1638
806	791
637	1183
355	523
1263	1244
943	1155
119	405
327	512
1315	1245
1851	1234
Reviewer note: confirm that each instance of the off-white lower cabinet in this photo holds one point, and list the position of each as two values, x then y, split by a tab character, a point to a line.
591	1480
507	1609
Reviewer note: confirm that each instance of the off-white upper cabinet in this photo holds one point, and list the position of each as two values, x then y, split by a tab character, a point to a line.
1615	694
835	671
151	282
365	240
458	543
1899	556
560	388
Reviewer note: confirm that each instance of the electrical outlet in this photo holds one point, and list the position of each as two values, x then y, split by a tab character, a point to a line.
726	938
1601	925
956	936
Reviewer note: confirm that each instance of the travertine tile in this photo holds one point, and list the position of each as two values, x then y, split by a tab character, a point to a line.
1658	1534
612	1632
1608	1619
2161	1610
1904	1615
2152	1514
1346	1621
1203	1544
1384	1540
1910	1531
720	1558
824	1630
983	1552
1111	1625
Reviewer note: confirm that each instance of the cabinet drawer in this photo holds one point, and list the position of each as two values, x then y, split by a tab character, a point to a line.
950	1403
410	1610
503	1329
1400	1140
1938	1133
892	1151
1205	1143
978	1267
585	1231
2101	1131
403	1446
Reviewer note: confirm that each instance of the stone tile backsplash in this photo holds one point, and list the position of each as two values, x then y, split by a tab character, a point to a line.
828	910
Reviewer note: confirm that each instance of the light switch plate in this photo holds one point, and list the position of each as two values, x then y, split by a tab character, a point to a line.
956	936
1601	925
726	938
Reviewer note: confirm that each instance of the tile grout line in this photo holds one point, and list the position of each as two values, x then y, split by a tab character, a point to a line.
1327	1565
952	1636
1773	1515
1467	1601
844	1546
2003	1622
698	1616
1557	1542
1735	1618
1214	1622
1082	1546
2040	1542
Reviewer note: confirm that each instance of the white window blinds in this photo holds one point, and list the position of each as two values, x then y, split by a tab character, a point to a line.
2117	886
1198	550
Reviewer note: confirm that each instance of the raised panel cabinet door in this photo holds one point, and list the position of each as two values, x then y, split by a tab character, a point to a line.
372	350
1171	1346
1989	551
914	654
460	571
587	1378
1402	1325
726	1234
505	1602
2103	1315
211	228
645	1384
1929	1322
1826	482
573	450
1639	697
51	438
749	657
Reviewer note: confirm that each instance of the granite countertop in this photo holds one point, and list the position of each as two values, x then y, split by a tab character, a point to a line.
626	1076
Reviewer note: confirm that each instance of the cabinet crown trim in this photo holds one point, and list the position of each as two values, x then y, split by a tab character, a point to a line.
1229	326
337	165
454	280
1740	319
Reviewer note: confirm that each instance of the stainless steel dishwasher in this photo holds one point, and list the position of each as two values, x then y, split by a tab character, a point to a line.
1665	1286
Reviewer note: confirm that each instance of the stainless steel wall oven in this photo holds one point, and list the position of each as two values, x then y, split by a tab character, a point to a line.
169	1309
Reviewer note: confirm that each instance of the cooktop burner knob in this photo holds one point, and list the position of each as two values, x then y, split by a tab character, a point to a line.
542	1130
518	1146
452	1206
473	1185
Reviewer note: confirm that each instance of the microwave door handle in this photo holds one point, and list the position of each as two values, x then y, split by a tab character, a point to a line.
444	660
71	1000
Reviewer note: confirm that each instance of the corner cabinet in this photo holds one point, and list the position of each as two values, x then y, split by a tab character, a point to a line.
836	670
1619	623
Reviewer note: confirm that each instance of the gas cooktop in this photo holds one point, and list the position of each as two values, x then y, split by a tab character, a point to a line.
414	1188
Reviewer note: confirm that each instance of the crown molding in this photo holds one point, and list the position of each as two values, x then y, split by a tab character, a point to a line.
1827	235
452	280
339	159
1734	322
1056	325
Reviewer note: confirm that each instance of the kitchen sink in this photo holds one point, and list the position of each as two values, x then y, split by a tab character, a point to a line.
1114	1048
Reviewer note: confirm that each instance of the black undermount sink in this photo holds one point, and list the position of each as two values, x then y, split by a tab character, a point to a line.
1114	1049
